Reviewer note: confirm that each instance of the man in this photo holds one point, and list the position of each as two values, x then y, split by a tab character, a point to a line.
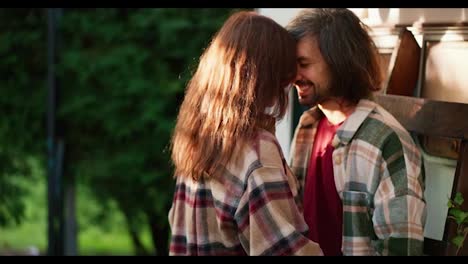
360	170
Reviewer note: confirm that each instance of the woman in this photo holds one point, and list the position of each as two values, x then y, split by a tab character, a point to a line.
234	193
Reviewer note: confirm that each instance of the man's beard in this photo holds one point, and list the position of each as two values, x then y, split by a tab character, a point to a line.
319	94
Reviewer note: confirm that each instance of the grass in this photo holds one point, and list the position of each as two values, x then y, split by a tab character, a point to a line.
105	238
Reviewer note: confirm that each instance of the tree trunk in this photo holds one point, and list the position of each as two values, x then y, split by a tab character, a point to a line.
159	235
140	249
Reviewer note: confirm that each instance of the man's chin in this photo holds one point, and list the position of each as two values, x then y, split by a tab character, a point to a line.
309	102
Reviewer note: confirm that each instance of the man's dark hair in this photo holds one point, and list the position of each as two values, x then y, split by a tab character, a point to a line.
346	47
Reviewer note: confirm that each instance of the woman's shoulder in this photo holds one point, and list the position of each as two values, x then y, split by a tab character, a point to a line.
262	150
268	149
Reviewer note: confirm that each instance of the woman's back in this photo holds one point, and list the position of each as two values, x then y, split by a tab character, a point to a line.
232	214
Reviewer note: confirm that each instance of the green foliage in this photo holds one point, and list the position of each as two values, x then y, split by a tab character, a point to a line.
461	218
122	74
22	103
96	236
12	189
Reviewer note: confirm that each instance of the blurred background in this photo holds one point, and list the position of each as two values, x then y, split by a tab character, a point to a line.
89	99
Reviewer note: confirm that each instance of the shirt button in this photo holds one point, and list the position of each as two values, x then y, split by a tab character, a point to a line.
337	159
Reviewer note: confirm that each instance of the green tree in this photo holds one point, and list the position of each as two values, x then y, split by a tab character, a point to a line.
122	75
22	103
124	72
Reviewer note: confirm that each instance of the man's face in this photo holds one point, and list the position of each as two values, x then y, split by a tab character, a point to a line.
312	80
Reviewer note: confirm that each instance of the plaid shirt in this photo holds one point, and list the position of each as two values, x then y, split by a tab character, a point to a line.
250	210
378	175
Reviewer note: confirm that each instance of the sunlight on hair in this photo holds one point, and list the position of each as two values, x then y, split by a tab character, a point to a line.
226	98
362	13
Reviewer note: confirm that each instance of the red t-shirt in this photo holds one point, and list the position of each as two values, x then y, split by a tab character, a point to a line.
323	209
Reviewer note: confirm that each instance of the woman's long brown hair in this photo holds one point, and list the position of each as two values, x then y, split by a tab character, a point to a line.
241	74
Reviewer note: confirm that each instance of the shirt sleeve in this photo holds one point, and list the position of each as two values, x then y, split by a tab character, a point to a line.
268	218
298	170
400	209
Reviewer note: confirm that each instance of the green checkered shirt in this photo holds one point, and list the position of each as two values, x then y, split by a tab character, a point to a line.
379	177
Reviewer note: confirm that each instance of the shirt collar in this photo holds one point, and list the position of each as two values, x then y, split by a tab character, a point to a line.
349	127
310	117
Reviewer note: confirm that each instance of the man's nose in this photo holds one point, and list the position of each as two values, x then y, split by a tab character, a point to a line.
298	75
